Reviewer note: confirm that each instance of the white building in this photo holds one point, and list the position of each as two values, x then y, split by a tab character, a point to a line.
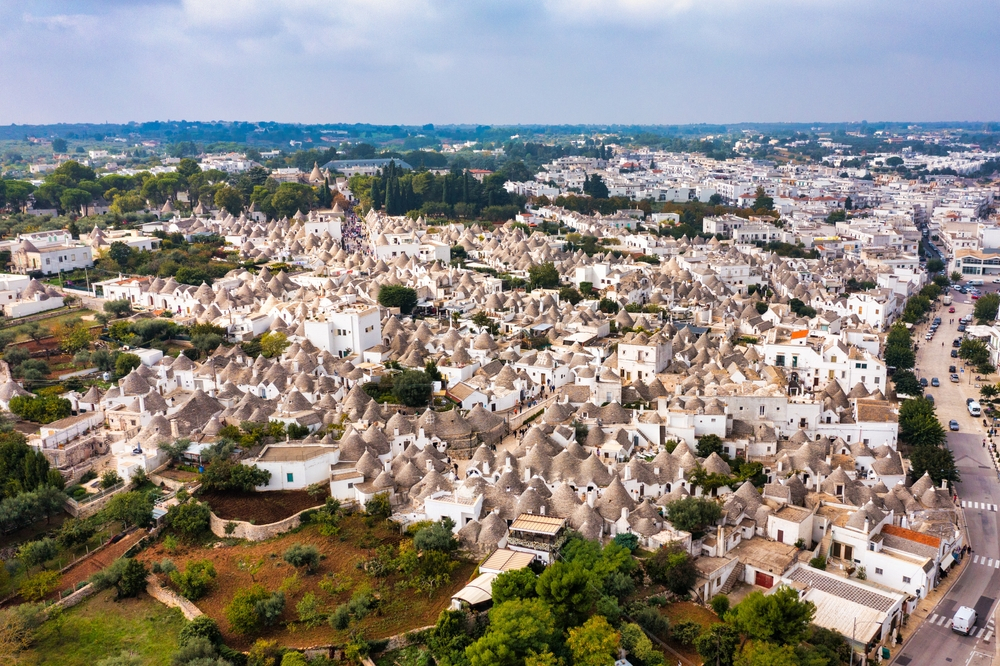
347	331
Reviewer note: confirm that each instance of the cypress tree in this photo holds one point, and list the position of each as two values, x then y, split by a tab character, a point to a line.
376	194
444	189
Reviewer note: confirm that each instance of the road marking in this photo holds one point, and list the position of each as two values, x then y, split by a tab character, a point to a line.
989	635
947	625
997	566
975	559
941	621
990	563
965	504
932	618
980	632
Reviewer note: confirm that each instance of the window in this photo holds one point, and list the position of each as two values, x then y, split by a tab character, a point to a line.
906	579
779	360
289	477
878	571
762	410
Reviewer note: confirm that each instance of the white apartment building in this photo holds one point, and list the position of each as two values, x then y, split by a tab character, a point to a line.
811	366
641	357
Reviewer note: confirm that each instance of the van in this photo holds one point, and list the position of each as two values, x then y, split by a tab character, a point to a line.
964	621
946	299
975	283
974	408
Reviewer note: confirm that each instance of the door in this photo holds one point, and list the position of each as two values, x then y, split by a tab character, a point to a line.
849	553
763	580
781	536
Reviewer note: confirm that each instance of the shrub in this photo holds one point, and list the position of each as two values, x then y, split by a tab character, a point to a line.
127	576
196	579
818	562
378	506
628	540
720	604
435	537
397	296
309	611
201	627
40	585
109	479
254	607
229	475
40	409
164	566
302	555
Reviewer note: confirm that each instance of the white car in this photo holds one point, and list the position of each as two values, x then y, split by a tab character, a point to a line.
996	280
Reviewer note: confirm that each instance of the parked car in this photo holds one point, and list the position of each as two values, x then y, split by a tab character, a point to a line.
954	353
953	377
957	342
952	369
969	401
953	425
995	280
951	310
935	382
923	382
961	329
929	398
975	297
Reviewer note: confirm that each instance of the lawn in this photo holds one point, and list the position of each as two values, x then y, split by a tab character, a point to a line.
400	609
101	627
60	317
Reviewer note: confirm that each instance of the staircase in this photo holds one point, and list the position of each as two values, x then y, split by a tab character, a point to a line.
824	544
734	577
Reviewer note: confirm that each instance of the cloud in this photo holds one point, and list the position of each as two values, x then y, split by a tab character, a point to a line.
513	61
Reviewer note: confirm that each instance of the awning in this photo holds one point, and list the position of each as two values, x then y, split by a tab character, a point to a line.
948	560
478	591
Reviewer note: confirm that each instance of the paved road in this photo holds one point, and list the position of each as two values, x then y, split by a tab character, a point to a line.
979	583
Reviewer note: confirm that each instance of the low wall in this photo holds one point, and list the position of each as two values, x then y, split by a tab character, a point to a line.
251	532
71	600
172	599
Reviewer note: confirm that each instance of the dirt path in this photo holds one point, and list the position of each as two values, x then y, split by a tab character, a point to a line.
100	560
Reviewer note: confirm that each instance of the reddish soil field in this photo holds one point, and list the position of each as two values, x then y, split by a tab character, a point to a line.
260	508
687	611
179	475
399	610
100	560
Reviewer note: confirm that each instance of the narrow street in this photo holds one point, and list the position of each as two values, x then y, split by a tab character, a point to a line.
978	582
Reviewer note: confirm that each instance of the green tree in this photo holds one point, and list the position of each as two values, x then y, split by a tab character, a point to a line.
934	265
936	461
570	294
132	580
693	514
594	643
241	612
131	508
196	579
709	444
779	618
569	591
762	653
762	202
201	627
191	519
22	468
543	276
38	586
378	506
273	344
718	644
986	307
120	253
674	567
515	584
435	537
76	339
119	308
126	363
919	425
34	553
907	384
412	388
901	358
720	604
517	629
397	296
229	199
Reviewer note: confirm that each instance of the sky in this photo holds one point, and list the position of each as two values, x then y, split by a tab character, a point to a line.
499	62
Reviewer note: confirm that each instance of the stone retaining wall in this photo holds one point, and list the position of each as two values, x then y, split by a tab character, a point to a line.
250	532
170	598
73	599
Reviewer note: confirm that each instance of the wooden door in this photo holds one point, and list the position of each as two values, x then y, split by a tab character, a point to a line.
763	580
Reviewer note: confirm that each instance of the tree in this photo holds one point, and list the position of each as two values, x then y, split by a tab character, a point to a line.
34	330
397	296
34	553
22	468
378	506
39	586
919	425
543	276
515	584
206	342
686	632
570	294
986	307
762	202
779	618
595	187
59	145
435	537
273	344
126	363
229	199
693	514
907	384
595	643
720	604
956	277
412	388
302	555
627	540
120	253
131	508
40	409
936	461
76	339
201	627
241	610
762	653
517	629
901	358
233	476
934	265
569	591
132	580
191	519
709	444
673	567
196	579
717	644
110	479
119	308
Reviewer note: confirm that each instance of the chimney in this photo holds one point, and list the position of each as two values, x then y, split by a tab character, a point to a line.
527	474
591	498
395	432
420	433
656	471
541	510
174	431
624	513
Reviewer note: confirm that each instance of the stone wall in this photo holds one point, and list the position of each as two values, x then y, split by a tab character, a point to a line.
250	532
172	599
73	599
